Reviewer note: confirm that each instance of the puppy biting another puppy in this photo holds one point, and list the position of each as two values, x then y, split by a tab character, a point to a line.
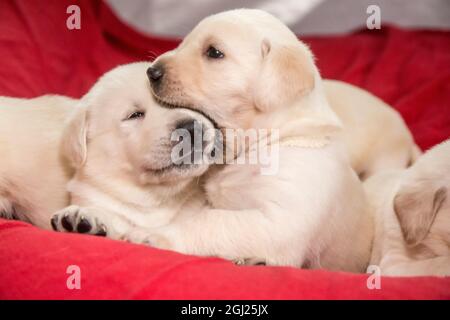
239	65
241	69
246	70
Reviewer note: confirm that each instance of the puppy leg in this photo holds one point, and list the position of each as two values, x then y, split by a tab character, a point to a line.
232	235
141	235
90	220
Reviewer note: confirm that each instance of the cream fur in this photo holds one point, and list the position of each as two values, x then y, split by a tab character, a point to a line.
312	213
412	213
33	175
125	177
265	66
43	140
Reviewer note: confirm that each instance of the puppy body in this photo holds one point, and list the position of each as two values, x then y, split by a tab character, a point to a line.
33	175
302	215
292	218
376	137
126	185
412	214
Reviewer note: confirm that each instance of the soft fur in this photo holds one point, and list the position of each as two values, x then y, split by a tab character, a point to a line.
125	176
412	211
375	135
33	175
118	189
312	212
120	164
266	68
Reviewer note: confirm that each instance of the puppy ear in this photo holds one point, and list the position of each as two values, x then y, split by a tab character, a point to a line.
74	139
416	207
286	75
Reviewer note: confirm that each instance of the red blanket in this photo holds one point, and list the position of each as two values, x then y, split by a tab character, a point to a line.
39	55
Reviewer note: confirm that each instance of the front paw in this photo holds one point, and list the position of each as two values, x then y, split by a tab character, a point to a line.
76	219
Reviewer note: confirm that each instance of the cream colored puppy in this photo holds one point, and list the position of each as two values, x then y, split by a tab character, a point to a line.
238	64
33	174
246	70
121	142
412	211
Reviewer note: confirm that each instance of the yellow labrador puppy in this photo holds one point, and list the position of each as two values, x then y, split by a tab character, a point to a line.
246	70
412	211
239	64
121	141
117	138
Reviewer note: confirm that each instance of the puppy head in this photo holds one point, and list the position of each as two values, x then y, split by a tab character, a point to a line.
238	67
422	204
119	129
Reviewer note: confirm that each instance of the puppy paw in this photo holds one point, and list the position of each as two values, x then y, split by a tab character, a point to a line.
147	237
76	219
249	262
137	236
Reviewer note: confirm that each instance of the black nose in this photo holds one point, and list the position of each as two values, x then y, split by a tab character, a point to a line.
193	128
193	134
155	73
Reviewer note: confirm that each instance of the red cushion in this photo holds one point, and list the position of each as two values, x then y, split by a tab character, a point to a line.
39	55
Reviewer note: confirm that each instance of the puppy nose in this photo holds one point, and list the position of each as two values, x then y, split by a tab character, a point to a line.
155	73
194	129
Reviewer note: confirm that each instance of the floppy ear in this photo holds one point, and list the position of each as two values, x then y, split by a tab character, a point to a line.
416	207
286	75
74	139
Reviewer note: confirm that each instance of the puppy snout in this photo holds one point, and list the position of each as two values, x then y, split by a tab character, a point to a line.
191	132
155	73
194	129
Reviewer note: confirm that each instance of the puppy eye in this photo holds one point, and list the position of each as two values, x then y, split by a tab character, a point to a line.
136	115
213	53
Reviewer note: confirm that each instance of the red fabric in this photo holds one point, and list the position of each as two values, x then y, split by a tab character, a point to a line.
39	55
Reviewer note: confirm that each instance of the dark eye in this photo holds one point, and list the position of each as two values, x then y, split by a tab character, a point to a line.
136	115
213	53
